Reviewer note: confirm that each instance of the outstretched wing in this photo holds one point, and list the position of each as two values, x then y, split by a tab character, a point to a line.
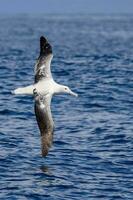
44	120
42	67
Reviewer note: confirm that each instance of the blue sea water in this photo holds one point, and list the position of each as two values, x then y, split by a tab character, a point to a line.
92	153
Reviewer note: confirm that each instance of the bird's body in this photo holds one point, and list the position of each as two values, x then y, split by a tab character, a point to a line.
43	89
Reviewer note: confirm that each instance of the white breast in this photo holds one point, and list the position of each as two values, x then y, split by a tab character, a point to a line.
45	86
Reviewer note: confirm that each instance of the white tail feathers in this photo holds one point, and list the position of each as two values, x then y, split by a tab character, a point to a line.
25	90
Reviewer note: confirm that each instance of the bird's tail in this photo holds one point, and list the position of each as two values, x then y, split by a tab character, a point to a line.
25	90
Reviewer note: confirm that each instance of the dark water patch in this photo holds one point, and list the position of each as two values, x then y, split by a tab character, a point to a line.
60	142
119	136
7	112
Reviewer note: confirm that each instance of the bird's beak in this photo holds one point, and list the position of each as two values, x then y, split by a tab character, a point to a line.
73	93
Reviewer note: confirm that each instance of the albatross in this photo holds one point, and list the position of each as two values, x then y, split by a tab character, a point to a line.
42	90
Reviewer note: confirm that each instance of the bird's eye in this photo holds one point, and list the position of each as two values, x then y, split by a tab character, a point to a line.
65	88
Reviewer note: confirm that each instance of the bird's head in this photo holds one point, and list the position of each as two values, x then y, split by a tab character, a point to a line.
67	90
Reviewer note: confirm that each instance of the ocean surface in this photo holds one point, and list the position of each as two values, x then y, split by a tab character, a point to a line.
92	153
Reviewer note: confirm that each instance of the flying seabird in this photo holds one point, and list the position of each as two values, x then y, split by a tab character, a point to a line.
43	89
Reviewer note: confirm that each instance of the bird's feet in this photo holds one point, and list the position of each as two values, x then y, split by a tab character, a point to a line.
38	96
35	92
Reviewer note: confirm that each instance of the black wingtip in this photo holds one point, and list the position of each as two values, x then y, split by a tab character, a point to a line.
45	47
43	40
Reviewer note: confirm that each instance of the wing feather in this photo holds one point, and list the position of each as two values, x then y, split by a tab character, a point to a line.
42	67
45	121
